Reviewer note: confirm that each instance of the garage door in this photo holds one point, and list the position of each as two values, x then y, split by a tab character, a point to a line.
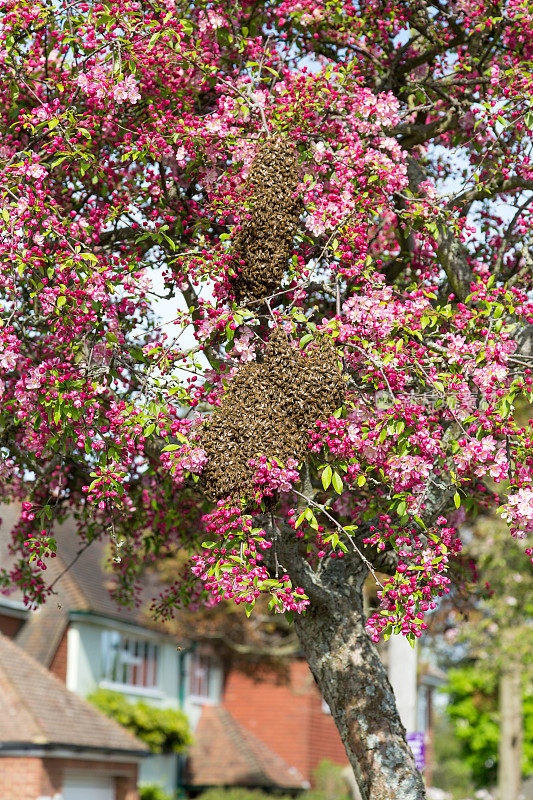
87	786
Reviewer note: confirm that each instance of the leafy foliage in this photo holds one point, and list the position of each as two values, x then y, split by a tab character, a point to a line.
450	773
473	710
164	730
279	172
152	791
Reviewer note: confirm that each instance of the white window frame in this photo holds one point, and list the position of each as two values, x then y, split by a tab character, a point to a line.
201	699
130	651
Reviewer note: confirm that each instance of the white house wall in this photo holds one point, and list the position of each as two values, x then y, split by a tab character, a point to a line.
83	662
160	769
402	667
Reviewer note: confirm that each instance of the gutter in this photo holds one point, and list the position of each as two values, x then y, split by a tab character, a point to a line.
69	750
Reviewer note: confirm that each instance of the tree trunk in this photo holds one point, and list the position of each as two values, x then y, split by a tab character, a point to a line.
511	732
355	685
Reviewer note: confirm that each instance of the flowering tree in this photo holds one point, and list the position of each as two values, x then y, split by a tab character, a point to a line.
335	195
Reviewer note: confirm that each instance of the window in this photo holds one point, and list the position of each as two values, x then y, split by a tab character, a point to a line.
201	677
129	661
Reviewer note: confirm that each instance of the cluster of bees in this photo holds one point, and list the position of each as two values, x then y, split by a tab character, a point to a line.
262	247
268	409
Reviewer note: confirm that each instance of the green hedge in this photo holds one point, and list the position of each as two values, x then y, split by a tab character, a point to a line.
154	792
164	730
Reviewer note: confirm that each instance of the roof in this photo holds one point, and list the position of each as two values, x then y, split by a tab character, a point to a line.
225	753
84	585
37	709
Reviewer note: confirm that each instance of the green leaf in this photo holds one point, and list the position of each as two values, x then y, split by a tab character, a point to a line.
457	499
326	476
305	339
61	301
361	480
310	517
153	38
337	483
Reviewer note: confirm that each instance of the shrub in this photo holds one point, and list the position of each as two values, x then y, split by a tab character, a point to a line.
152	791
330	783
164	730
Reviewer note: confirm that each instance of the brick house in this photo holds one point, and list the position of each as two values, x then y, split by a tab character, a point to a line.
266	733
53	743
287	718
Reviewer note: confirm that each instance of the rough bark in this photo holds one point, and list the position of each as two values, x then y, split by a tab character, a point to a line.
354	683
511	732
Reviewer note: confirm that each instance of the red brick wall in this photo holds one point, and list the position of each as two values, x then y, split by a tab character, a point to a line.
59	662
9	626
52	775
20	778
287	717
29	777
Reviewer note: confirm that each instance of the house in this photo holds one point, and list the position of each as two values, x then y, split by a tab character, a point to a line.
53	743
264	733
83	638
287	716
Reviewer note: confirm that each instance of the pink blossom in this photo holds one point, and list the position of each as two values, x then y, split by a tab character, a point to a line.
126	90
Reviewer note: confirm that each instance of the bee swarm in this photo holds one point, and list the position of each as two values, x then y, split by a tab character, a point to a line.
268	410
265	240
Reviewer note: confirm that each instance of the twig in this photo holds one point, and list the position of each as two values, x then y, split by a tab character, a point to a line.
340	527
